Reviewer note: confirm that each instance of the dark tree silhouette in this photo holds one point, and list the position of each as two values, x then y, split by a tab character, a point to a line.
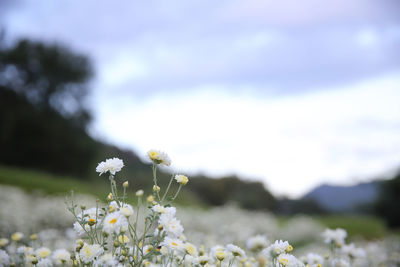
51	77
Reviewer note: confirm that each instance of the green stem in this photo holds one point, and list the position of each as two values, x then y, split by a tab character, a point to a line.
177	192
166	191
155	180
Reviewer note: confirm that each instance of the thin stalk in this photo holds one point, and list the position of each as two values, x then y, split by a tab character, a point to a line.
166	191
177	192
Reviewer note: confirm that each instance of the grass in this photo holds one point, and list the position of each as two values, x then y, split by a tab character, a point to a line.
30	180
50	184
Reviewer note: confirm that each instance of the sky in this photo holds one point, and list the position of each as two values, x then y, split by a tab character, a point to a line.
290	93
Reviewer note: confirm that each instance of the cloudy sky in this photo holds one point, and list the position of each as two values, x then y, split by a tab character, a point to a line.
292	93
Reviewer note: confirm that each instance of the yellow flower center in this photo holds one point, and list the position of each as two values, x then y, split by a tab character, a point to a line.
113	221
153	155
284	261
174	244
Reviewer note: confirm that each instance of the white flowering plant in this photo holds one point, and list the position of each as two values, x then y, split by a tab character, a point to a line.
117	233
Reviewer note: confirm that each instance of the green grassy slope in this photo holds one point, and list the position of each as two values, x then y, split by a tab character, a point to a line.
52	184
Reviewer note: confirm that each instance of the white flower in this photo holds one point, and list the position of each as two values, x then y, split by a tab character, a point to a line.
339	263
106	260
44	263
159	209
4	259
17	236
173	244
190	249
236	251
89	252
3	242
218	252
43	252
353	252
289	260
181	179
25	250
159	157
113	206
257	242
203	260
61	256
171	225
126	210
336	237
280	247
313	259
113	222
113	166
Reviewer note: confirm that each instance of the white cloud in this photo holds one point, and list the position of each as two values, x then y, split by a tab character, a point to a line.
292	143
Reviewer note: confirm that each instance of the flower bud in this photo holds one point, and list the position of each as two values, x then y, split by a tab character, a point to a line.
221	255
33	237
139	193
150	199
125	184
110	197
156	188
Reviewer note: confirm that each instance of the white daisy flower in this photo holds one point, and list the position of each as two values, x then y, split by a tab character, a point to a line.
25	250
170	225
89	252
173	244
313	259
114	222
106	260
113	166
280	247
190	249
236	251
181	179
17	236
44	263
159	157
61	256
339	263
159	209
43	252
3	242
289	260
336	237
126	210
4	259
257	242
353	252
218	252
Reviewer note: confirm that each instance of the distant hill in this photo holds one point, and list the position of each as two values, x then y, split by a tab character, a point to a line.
344	198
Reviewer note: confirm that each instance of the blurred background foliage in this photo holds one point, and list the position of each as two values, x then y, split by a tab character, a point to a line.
43	129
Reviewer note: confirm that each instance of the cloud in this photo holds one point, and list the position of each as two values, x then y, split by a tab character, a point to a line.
280	47
291	143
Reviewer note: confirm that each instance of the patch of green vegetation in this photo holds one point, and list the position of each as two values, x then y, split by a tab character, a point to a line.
366	226
50	184
30	180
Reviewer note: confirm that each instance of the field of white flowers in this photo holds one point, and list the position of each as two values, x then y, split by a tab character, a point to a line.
38	230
